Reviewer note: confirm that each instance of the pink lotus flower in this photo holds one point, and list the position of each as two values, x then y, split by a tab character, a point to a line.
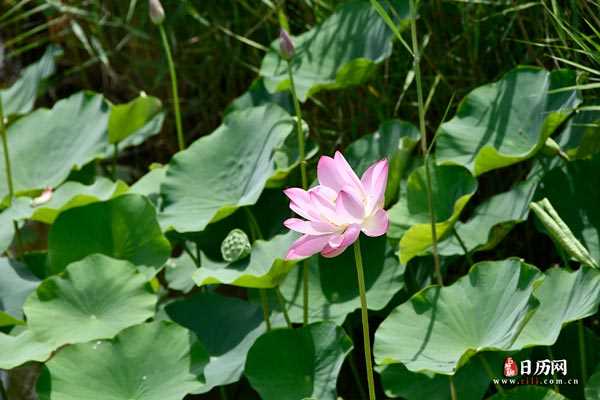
338	209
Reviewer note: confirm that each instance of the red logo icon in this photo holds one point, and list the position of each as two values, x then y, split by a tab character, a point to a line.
510	367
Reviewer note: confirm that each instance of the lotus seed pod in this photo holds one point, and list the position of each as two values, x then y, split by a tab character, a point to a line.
286	46
235	246
157	13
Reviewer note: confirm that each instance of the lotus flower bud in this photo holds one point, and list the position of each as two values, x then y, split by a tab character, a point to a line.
235	246
157	13
286	46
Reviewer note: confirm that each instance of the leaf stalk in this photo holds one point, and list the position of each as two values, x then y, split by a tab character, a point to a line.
7	164
173	74
417	60
301	156
9	177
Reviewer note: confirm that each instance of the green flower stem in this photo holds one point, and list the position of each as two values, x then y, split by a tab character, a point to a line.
9	180
3	133
490	373
554	376
255	233
301	153
355	374
114	160
180	139
581	335
194	258
281	300
299	130
265	306
424	149
20	244
452	388
3	394
222	392
365	318
464	248
305	293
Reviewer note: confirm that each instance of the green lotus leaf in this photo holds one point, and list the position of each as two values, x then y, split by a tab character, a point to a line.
265	268
470	381
128	118
18	210
271	210
333	286
48	143
564	296
16	283
149	185
124	227
37	262
574	191
452	187
258	95
151	361
292	364
342	51
74	194
592	389
394	140
225	170
130	124
179	271
287	158
491	220
94	298
507	121
581	136
16	350
440	329
68	195
20	97
529	393
572	339
226	326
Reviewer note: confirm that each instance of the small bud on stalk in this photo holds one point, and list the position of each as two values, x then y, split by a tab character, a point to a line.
157	13
286	46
